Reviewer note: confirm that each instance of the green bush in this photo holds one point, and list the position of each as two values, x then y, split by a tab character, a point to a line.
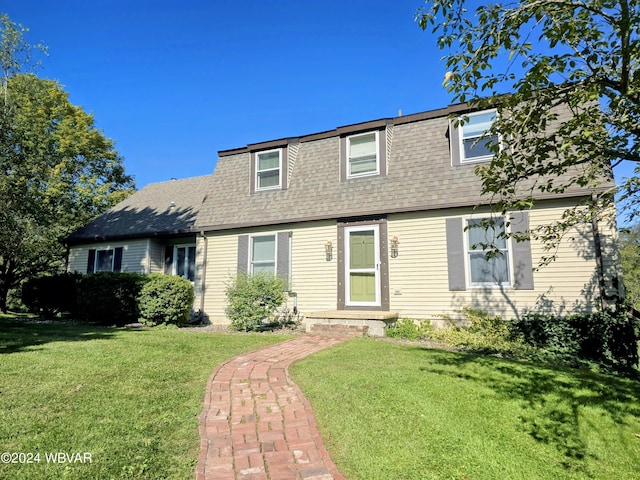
110	298
165	299
608	338
485	333
253	299
410	329
49	295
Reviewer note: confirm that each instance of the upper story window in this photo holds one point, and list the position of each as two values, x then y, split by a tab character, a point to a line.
474	145
495	270
268	170
363	155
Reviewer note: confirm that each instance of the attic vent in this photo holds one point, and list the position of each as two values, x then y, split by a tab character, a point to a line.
172	205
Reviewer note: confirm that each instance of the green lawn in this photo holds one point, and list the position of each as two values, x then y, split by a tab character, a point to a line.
392	411
128	398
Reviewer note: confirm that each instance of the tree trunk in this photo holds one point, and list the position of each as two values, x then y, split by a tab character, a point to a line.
4	292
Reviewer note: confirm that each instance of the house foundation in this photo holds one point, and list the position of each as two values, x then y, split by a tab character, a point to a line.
350	322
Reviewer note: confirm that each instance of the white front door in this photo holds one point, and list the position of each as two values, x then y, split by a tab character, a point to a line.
362	266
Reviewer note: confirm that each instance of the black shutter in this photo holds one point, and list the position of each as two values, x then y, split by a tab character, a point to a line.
117	259
91	261
455	254
243	254
282	256
522	261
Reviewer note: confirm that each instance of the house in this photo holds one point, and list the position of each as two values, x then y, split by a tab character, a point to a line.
366	222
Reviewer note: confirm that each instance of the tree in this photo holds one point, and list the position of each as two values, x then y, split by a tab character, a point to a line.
630	260
57	171
530	60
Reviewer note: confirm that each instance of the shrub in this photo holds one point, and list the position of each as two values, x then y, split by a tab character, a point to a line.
410	329
110	298
485	334
166	299
50	295
253	299
607	338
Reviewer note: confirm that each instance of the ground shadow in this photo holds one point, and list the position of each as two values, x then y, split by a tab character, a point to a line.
18	335
551	398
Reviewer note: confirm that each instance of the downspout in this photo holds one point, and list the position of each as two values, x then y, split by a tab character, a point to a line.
597	244
66	257
204	271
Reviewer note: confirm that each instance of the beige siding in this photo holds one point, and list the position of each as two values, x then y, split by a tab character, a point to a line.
156	256
419	277
135	255
313	278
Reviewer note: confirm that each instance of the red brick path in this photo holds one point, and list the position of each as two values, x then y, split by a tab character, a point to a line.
257	425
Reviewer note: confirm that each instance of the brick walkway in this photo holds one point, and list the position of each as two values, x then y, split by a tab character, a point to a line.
257	425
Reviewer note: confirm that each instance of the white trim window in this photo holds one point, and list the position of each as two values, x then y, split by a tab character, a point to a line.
473	143
263	254
269	170
485	235
363	157
184	261
104	260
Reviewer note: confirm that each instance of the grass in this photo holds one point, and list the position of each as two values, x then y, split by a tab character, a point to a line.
129	398
391	411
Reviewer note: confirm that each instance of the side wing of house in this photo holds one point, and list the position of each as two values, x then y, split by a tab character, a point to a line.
112	256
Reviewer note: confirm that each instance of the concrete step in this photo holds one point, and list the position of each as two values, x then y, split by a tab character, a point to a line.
339	330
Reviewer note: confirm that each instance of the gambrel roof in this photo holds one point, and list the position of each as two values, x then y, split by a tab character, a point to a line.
417	173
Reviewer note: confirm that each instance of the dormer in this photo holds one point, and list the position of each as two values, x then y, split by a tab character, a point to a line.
270	164
363	150
469	144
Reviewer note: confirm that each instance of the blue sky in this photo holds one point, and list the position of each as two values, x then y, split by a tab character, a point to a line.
172	83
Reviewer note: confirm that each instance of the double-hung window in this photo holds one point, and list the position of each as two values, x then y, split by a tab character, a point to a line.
268	170
363	155
263	254
487	236
474	143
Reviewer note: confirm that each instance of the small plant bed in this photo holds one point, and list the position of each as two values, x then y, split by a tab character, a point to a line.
129	398
399	411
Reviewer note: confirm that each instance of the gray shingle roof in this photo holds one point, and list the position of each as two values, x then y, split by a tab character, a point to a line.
419	176
163	208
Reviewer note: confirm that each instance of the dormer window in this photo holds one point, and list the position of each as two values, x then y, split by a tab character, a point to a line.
469	143
474	145
268	169
363	156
